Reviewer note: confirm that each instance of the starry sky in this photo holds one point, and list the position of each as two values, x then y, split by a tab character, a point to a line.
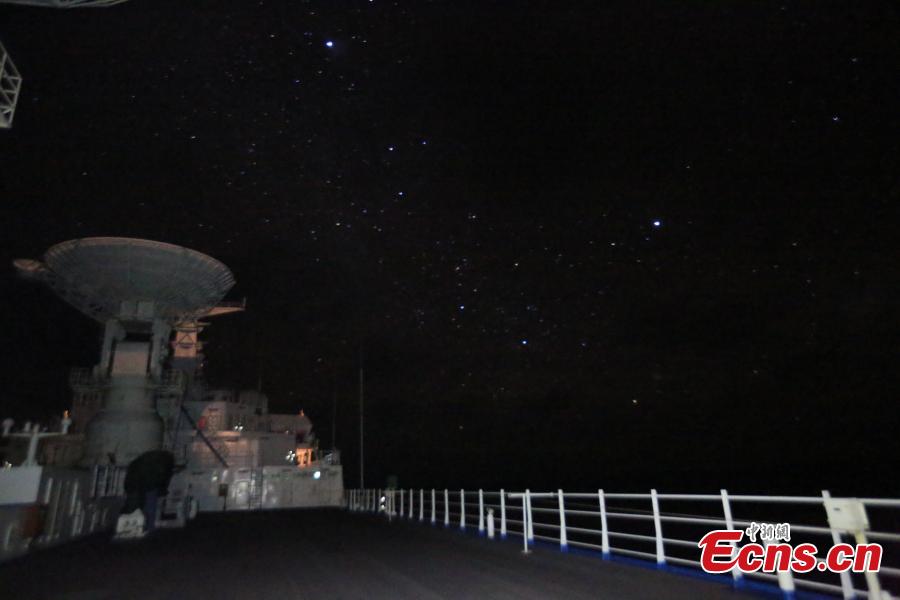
577	244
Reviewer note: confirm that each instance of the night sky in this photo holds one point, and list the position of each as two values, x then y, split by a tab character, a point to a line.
597	244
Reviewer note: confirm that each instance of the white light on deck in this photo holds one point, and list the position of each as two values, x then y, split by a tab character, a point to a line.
317	474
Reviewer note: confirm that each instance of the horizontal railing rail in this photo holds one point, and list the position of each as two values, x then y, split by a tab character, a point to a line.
664	528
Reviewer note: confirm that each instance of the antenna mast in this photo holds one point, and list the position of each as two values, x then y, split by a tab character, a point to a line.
362	464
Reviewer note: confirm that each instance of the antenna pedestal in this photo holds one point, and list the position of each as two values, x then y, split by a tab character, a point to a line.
127	425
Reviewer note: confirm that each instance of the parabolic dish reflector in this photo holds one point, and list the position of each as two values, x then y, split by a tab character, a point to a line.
125	278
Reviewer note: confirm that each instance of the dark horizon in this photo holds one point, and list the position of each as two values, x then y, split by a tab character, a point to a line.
627	246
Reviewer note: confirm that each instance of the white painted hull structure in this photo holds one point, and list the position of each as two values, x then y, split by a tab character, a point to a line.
46	506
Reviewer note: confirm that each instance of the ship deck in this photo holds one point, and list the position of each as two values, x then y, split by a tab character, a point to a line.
330	554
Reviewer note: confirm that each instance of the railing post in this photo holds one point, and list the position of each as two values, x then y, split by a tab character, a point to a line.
785	578
502	514
729	524
446	507
421	505
530	519
524	526
402	503
563	539
846	582
432	506
412	504
657	523
490	523
462	509
604	531
480	511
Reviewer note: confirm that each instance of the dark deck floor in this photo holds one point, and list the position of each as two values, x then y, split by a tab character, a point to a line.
329	554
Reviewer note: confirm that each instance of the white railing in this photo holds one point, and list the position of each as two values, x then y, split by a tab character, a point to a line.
663	528
107	480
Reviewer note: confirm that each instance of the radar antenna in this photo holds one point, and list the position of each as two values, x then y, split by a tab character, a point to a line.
141	291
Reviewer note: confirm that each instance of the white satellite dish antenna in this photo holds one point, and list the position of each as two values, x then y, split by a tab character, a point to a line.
140	290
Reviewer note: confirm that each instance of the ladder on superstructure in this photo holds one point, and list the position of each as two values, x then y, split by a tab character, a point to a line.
256	483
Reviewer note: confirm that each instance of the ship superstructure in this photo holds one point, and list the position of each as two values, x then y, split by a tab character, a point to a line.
147	394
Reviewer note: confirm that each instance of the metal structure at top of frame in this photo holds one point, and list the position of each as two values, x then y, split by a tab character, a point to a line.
10	80
10	84
64	3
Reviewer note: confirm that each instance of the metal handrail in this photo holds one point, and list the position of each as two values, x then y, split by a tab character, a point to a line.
467	507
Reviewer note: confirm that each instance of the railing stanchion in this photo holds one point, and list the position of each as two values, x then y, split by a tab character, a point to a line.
490	523
502	514
412	505
563	540
657	524
846	582
530	518
462	509
402	503
432	506
729	524
524	527
785	578
604	531
446	508
421	505
480	511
